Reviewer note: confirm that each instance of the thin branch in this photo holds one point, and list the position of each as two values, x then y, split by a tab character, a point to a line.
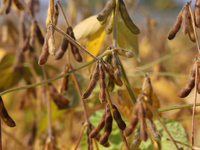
126	82
192	147
73	41
28	9
195	99
47	97
63	14
80	94
79	138
115	24
53	79
163	125
194	28
176	107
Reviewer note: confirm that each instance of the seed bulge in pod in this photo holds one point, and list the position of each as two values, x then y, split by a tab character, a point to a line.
107	10
123	52
108	127
102	76
185	18
121	124
136	140
94	133
129	129
152	130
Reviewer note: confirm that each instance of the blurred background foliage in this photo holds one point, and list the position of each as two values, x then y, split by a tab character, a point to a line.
154	18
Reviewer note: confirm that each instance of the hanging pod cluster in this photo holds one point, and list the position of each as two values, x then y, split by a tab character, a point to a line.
106	121
143	115
184	20
110	9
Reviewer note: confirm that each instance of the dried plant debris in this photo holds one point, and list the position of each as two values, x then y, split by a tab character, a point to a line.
58	99
64	47
4	115
184	20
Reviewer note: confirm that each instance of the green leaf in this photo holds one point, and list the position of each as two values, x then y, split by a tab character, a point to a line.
176	130
114	139
127	40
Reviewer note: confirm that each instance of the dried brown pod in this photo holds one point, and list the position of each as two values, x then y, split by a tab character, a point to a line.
156	144
111	85
58	99
147	90
89	140
127	19
121	124
123	52
8	6
108	68
40	37
102	77
64	81
93	81
190	83
63	47
117	81
197	13
107	10
18	4
26	45
55	15
4	115
45	50
51	42
32	137
107	144
115	62
94	133
19	60
33	32
136	140
152	130
191	30
185	18
108	127
176	27
74	49
142	116
133	122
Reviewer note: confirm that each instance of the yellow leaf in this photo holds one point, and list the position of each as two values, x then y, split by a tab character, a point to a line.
94	44
88	27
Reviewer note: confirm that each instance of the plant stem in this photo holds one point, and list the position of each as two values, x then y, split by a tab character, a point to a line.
126	82
63	14
28	9
175	107
74	42
0	136
47	97
194	28
51	5
53	79
80	94
79	138
115	24
163	125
